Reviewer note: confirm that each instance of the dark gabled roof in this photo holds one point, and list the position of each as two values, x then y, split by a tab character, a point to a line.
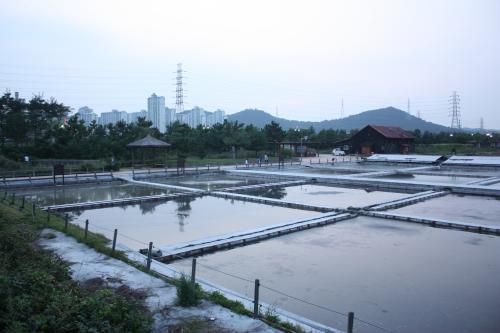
148	142
392	132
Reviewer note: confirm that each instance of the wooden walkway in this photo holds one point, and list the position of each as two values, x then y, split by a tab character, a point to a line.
463	226
182	251
267	185
271	201
422	196
115	202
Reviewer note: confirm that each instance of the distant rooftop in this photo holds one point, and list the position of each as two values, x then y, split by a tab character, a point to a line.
396	158
392	132
474	160
148	142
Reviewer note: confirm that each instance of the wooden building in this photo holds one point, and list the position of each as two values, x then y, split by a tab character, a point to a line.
375	139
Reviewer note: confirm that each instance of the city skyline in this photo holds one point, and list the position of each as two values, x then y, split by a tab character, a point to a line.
159	115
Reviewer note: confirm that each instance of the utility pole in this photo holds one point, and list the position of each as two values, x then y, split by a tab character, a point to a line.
342	108
418	114
481	124
409	106
179	91
455	111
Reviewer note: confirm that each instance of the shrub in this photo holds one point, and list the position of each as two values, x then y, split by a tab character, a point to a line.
187	293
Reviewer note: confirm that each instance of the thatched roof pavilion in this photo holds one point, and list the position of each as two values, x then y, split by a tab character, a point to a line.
148	143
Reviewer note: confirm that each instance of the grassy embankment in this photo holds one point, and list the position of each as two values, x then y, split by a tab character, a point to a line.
459	149
38	294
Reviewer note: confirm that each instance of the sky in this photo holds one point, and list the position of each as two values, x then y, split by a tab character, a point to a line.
296	59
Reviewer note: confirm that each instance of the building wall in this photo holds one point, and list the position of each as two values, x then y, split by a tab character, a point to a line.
87	115
133	116
370	141
156	112
113	117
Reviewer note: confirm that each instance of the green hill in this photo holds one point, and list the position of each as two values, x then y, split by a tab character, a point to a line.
387	116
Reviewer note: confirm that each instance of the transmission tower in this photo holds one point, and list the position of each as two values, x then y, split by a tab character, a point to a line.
455	111
409	106
342	108
179	91
418	114
481	124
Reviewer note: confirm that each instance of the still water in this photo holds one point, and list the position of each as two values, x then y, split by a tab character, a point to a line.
182	220
58	195
328	196
402	276
432	178
209	182
474	209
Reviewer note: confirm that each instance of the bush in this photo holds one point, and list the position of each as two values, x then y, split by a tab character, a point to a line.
187	293
234	306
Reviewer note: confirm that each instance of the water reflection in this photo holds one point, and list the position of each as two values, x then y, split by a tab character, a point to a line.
274	193
61	194
329	196
183	210
209	182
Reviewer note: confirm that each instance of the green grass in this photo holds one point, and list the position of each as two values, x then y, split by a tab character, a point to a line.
37	293
455	148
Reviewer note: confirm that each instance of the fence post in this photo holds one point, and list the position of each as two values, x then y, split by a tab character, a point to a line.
256	299
193	272
350	322
5	194
114	240
33	209
86	228
150	252
48	215
66	218
22	203
12	199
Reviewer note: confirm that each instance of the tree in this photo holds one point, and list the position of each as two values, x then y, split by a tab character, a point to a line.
274	134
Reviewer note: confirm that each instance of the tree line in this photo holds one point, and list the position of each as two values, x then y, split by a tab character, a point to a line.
44	129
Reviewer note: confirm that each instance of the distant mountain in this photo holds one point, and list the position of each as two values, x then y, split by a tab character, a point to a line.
388	116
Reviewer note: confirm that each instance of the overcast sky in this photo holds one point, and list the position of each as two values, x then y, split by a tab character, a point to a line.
297	58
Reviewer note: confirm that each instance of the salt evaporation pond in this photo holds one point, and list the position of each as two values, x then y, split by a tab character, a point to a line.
328	196
431	178
402	276
209	182
183	220
57	195
459	208
495	186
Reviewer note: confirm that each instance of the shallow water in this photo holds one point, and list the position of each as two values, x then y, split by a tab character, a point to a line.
209	182
432	178
404	277
328	196
58	195
182	220
474	209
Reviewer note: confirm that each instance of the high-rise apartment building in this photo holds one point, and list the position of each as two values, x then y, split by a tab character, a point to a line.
156	112
133	116
170	116
113	117
86	114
